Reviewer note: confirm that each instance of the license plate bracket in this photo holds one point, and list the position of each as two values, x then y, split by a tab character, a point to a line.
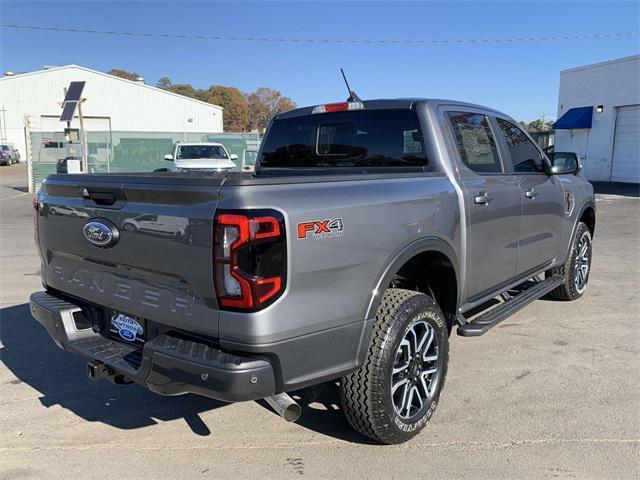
127	328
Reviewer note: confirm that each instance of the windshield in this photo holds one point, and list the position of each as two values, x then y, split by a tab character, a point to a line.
365	138
201	151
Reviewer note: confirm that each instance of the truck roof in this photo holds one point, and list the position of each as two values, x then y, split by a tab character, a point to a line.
392	104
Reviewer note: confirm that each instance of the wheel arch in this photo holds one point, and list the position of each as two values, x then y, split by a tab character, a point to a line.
588	213
415	259
588	217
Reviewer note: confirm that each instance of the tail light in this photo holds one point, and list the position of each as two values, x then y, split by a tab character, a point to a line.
338	107
250	258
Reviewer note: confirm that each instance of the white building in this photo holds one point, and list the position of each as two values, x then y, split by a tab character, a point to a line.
599	118
112	104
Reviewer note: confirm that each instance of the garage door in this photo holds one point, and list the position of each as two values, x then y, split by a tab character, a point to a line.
626	145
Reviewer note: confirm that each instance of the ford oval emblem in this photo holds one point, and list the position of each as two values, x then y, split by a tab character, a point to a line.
102	233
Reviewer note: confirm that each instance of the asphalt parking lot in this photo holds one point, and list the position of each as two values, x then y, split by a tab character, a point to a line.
553	392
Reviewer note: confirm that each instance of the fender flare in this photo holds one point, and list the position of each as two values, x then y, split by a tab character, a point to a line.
588	204
421	245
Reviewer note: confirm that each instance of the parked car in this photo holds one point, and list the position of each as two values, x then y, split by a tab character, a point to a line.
369	232
158	224
9	155
203	156
68	211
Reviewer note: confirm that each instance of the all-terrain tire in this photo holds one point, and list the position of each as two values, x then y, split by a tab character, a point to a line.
571	289
366	394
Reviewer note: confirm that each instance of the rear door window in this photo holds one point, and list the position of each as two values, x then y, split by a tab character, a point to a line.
352	139
475	141
525	157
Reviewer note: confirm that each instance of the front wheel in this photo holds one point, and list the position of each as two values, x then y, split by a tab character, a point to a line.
395	392
576	269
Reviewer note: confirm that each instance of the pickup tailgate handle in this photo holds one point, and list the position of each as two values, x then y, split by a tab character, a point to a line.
531	193
99	198
482	199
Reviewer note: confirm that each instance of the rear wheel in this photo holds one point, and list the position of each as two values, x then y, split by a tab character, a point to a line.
576	269
395	392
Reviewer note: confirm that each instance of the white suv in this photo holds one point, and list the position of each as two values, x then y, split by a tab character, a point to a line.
188	157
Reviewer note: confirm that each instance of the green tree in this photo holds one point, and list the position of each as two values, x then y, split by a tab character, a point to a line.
184	89
164	83
540	126
234	102
116	72
264	103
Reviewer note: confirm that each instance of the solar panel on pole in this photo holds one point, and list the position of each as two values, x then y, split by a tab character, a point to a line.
68	111
71	100
74	92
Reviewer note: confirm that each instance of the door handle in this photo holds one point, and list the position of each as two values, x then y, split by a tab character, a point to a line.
531	193
482	199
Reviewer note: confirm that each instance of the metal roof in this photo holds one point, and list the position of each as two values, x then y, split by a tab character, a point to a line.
111	77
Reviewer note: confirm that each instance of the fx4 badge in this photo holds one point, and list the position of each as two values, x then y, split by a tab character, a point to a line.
321	229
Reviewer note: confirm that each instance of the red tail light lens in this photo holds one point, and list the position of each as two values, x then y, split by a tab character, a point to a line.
250	259
338	107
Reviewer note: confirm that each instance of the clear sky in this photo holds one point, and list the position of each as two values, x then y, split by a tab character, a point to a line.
518	78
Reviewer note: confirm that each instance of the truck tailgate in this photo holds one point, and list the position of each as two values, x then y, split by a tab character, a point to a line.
161	266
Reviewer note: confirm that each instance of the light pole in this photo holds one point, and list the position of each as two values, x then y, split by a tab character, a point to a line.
184	132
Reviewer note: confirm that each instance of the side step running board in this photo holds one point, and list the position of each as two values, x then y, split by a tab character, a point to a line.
481	325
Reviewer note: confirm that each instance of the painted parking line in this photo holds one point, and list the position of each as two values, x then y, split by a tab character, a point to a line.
14	196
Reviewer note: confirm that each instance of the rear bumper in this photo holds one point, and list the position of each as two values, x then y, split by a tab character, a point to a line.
166	365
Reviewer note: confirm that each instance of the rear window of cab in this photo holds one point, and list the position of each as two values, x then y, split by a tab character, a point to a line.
351	139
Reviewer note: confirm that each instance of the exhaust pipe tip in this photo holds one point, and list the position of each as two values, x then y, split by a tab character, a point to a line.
285	406
292	413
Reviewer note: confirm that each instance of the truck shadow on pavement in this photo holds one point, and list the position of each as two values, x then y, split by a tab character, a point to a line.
322	413
30	355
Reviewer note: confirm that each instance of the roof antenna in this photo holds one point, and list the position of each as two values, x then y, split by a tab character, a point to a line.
353	96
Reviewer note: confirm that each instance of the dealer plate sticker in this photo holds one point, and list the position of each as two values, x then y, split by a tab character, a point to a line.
126	327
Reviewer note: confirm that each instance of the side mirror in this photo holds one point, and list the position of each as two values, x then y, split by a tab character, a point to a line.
169	157
565	163
233	156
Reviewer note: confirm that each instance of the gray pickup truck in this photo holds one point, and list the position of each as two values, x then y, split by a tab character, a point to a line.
367	233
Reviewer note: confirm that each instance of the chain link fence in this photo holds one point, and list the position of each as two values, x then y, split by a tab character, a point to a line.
113	152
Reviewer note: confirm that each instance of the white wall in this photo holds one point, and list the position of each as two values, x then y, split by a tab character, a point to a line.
131	106
612	84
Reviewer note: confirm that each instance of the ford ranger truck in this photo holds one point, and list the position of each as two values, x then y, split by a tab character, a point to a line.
368	232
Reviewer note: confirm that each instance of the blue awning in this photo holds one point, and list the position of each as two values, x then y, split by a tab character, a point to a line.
579	117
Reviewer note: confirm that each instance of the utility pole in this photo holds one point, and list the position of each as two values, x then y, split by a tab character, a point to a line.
85	159
544	116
